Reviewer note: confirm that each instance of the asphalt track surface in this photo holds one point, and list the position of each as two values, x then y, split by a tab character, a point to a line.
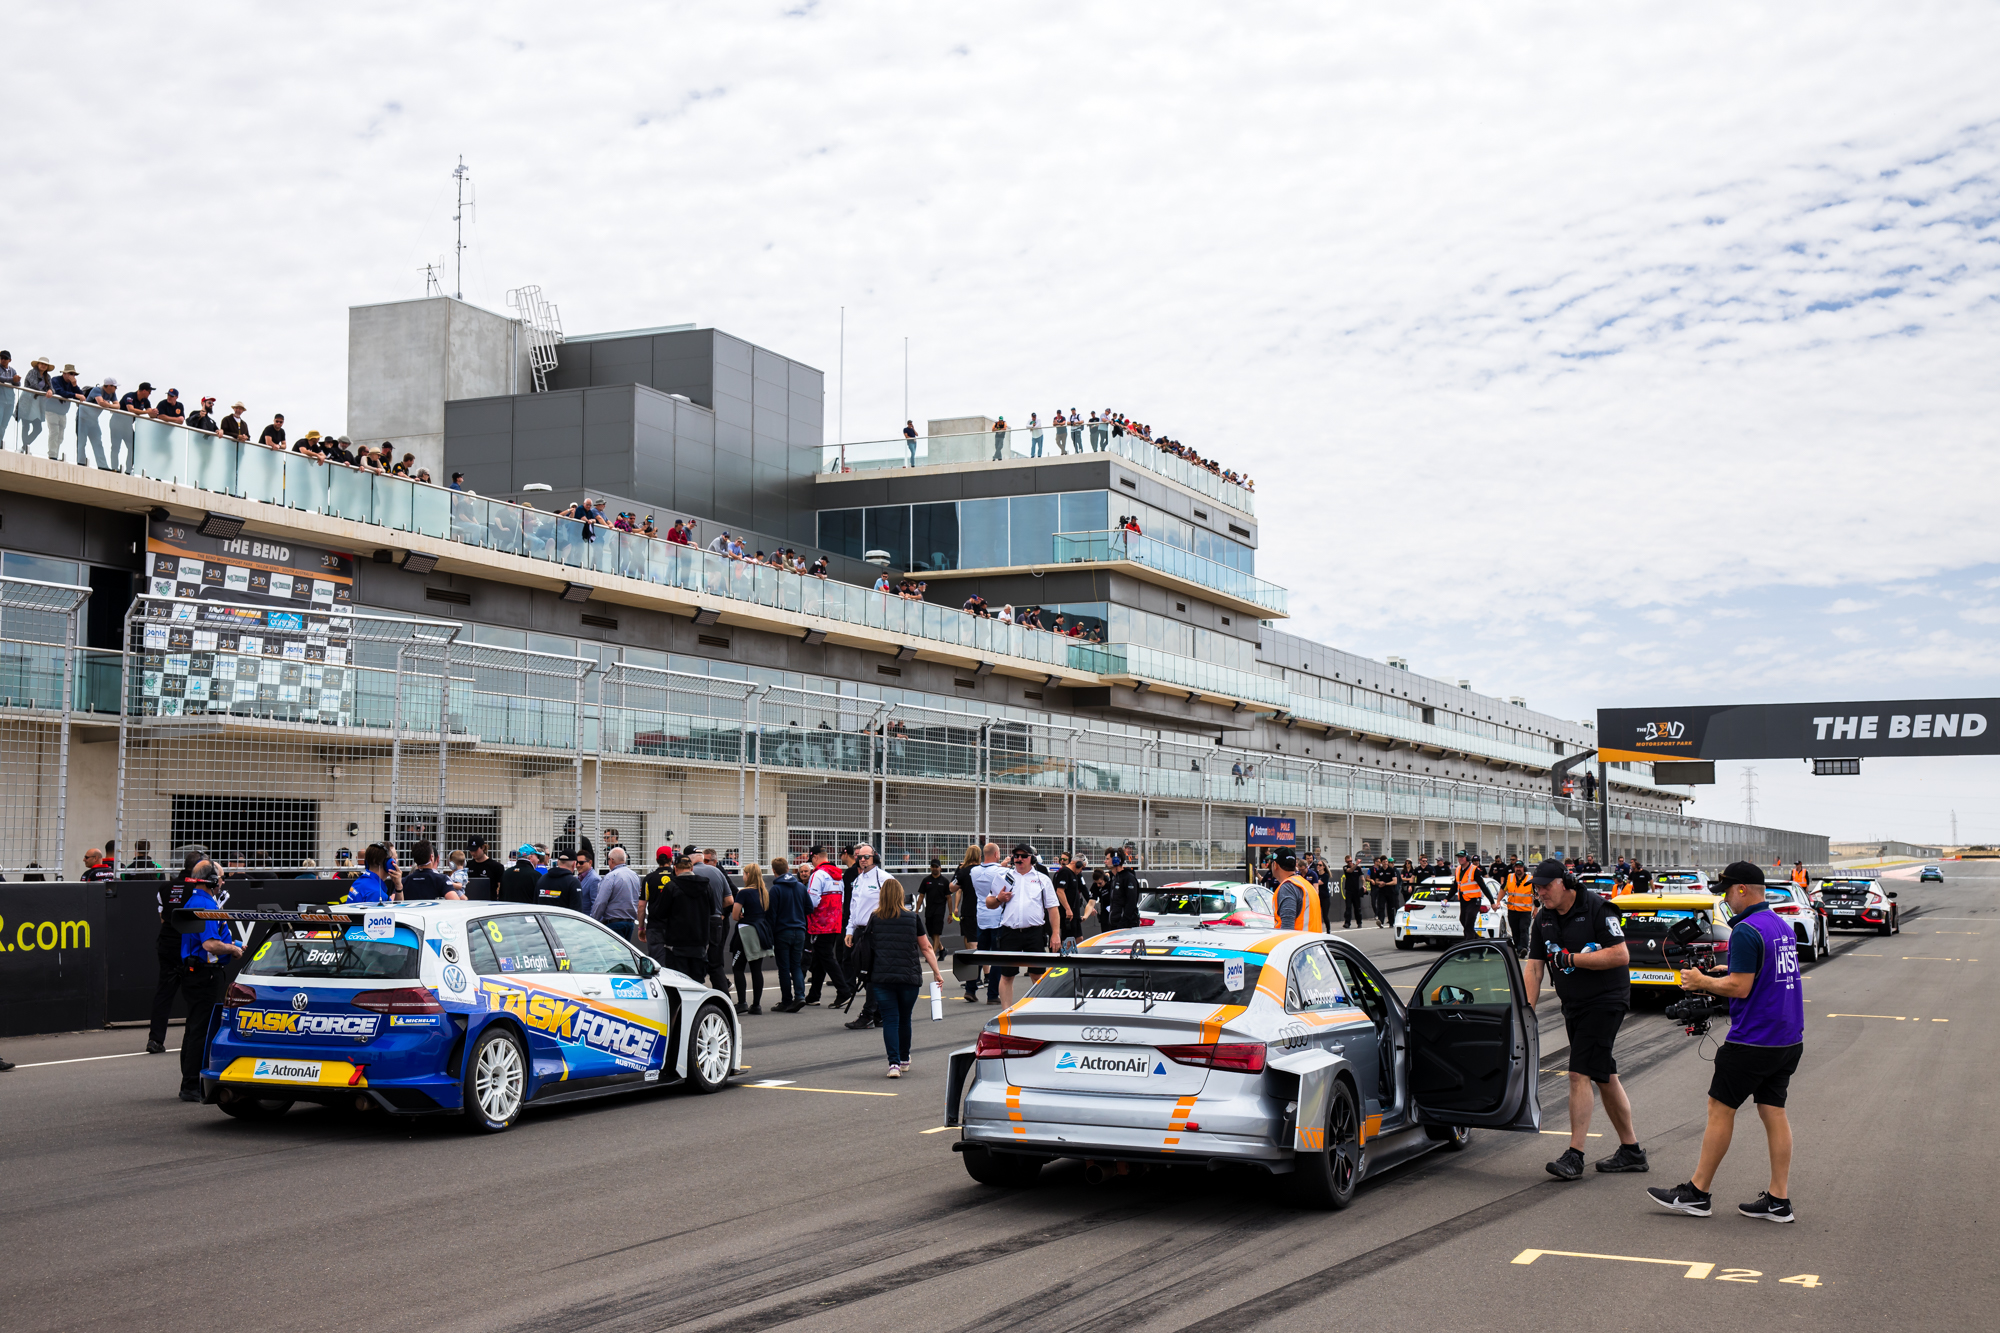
810	1207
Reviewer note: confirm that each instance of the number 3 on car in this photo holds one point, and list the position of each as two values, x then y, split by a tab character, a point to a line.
473	1009
1283	1051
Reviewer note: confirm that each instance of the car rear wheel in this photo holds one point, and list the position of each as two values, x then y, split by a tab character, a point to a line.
1405	942
245	1107
711	1050
496	1081
1004	1169
1328	1179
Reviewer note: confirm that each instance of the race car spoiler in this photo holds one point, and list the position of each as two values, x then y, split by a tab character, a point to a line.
189	920
968	964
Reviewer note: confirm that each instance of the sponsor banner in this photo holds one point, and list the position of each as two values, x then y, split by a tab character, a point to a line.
1138	1064
183	564
1649	974
1261	832
615	1039
1801	731
627	988
278	1022
53	957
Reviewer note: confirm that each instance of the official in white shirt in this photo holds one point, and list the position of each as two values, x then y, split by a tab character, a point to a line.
1030	914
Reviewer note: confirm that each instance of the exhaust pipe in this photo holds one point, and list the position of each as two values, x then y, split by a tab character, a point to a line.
1094	1173
364	1104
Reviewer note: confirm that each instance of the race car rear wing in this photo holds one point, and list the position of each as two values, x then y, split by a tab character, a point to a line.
969	964
188	920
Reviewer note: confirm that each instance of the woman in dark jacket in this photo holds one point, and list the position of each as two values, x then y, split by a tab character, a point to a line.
897	950
790	907
968	915
753	901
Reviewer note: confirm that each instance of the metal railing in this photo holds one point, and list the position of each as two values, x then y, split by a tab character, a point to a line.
1120	544
993	446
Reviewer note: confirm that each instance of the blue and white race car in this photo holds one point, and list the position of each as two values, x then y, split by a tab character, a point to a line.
474	1009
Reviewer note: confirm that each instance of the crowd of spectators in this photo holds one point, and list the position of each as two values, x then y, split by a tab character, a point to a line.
1094	435
1031	617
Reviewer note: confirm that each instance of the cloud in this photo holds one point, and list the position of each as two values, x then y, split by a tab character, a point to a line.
1847	606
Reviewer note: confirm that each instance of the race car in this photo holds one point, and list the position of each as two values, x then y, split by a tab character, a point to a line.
1431	914
1682	881
1930	875
470	1009
1656	959
1283	1051
1211	901
1858	902
1803	914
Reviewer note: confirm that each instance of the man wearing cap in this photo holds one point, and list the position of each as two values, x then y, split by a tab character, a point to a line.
35	389
1520	891
170	408
1030	914
1578	940
1471	890
201	418
522	881
89	418
1767	1023
273	435
1295	901
63	391
233	425
482	872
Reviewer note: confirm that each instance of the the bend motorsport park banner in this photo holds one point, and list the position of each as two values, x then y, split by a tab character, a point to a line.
280	648
1800	731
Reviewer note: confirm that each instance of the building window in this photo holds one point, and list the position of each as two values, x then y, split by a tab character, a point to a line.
840	532
982	534
1031	527
934	536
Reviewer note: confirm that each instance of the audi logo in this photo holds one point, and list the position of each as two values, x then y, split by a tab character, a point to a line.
300	999
1100	1034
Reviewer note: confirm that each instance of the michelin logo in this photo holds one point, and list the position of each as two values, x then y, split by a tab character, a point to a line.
1090	1062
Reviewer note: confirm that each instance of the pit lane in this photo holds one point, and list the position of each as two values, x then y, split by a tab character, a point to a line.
787	1206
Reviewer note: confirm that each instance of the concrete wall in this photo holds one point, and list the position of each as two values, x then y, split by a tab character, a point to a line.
405	359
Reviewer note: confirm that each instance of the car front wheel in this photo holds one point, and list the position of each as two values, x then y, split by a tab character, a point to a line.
711	1050
496	1081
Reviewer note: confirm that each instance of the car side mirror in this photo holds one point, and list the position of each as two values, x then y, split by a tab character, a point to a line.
648	966
1892	895
1449	994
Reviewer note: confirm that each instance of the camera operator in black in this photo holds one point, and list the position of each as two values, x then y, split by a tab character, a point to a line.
1577	937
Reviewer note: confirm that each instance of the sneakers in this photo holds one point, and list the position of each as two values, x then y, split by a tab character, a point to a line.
190	1094
811	1001
156	1048
1685	1198
895	1071
756	1008
906	1069
860	1023
1569	1166
1629	1157
5	1065
1765	1208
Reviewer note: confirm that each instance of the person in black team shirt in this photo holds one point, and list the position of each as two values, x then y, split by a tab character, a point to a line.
482	872
1578	940
933	895
1076	896
1350	894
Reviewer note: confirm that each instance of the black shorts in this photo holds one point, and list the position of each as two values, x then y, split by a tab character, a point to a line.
1763	1072
1591	1032
1023	939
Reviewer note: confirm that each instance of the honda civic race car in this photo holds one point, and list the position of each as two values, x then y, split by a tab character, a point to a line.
1206	901
1858	902
1286	1052
473	1009
1804	916
1431	914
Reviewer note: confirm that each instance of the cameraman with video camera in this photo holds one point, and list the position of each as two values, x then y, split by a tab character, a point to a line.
1767	1022
1577	936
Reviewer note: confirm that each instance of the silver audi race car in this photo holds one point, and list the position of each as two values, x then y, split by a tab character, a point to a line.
1224	1046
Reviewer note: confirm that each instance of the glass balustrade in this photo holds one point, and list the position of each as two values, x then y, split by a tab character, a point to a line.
1152	664
1119	544
1041	442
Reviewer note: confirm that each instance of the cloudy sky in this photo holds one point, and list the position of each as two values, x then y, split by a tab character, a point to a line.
1608	354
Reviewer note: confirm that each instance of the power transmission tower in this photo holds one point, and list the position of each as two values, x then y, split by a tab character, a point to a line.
1749	795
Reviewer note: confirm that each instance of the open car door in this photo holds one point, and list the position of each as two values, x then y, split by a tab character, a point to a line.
1474	1049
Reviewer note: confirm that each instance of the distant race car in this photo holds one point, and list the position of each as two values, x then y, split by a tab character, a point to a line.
1804	916
472	1009
1431	914
1930	875
1657	960
1858	902
1215	901
1231	1046
1682	881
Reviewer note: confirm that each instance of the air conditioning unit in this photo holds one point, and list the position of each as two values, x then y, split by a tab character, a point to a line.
877	558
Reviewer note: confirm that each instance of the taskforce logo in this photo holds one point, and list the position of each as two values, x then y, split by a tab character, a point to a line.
626	1042
277	1022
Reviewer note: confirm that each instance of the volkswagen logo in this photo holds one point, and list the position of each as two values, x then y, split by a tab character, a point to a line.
300	999
1100	1034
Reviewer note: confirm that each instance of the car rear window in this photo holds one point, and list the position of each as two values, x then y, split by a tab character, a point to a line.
1160	982
341	955
1171	903
1677	877
1433	893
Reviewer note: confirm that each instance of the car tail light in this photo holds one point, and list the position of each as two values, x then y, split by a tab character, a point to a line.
409	1000
238	994
999	1045
1242	1057
1232	921
1146	920
1786	910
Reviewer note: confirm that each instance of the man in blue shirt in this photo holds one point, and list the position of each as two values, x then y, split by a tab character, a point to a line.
205	955
372	885
1767	1023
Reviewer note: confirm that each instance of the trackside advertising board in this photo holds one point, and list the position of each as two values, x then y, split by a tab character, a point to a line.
1801	731
1261	832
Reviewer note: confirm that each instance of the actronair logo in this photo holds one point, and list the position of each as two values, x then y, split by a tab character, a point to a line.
1089	1062
1902	726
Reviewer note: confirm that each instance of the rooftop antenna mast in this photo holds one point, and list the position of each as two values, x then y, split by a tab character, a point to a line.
433	282
463	177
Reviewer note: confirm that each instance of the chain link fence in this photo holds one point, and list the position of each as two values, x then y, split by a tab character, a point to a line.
39	669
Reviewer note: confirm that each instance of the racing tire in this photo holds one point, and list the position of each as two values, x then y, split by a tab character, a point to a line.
1452	1138
1003	1169
711	1050
1887	927
1405	942
1328	1179
496	1081
255	1108
1895	922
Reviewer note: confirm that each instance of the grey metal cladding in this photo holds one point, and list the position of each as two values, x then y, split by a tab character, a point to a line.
621	361
806	381
556	471
770	396
487	478
733	383
733	438
769	366
732	352
800	407
607	423
694	493
610	471
496	447
572	367
479	416
685	375
543	411
922	488
694	423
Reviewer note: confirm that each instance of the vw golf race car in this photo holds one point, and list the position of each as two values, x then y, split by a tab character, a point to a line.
1431	915
475	1009
1229	1046
1858	902
1214	901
